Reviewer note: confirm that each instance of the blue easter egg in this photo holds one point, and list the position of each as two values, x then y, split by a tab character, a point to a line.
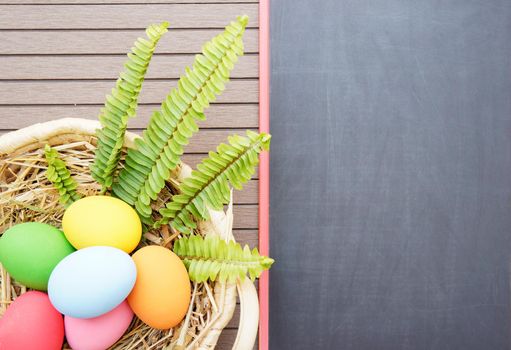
91	281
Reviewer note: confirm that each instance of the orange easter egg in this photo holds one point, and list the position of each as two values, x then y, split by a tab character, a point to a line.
162	290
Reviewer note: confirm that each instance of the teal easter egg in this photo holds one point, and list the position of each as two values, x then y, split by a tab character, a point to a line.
31	250
92	281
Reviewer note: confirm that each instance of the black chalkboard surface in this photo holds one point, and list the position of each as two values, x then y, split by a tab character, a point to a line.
390	174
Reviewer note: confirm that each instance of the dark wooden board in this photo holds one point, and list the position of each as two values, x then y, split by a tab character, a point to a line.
35	67
93	91
60	58
96	2
242	116
107	16
66	42
391	174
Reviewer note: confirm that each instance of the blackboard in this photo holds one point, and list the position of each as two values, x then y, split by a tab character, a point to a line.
390	216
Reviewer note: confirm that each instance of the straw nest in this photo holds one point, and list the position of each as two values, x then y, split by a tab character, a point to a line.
26	195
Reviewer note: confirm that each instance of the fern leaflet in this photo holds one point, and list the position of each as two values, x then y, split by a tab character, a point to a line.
60	177
158	152
213	258
233	163
121	105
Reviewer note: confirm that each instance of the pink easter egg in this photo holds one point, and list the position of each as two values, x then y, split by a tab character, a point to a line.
100	332
31	322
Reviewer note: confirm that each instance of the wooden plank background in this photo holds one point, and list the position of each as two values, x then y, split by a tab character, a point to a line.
59	58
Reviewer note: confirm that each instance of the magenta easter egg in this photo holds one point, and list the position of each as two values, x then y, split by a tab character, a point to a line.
100	332
31	322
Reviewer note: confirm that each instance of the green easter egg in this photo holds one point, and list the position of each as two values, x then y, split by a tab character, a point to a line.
29	252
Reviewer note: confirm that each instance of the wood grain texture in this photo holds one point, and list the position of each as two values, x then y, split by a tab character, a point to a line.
123	16
60	2
60	58
202	142
93	92
218	115
207	139
106	67
246	237
227	338
245	216
43	42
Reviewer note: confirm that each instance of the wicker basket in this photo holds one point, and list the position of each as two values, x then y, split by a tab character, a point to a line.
26	195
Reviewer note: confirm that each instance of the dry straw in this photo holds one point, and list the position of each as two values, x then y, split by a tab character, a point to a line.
27	195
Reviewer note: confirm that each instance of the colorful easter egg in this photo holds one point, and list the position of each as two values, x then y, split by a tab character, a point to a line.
91	281
31	322
100	332
31	250
102	221
161	294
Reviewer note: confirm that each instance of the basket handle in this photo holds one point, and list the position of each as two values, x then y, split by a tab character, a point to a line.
249	316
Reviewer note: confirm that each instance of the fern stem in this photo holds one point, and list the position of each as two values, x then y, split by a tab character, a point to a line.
221	261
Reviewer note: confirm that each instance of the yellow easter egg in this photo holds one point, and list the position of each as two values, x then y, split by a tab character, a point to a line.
102	221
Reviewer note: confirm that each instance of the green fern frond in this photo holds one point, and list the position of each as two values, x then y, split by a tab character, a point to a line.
159	150
121	105
60	177
213	258
233	163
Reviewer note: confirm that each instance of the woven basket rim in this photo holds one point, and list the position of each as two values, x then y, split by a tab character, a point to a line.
36	135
